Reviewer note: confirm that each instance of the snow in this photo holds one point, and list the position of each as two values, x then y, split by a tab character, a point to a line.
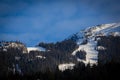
115	33
13	45
91	53
105	29
102	27
35	49
65	66
101	48
41	57
90	34
5	50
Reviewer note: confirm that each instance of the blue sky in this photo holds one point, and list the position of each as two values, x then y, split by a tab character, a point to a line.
34	21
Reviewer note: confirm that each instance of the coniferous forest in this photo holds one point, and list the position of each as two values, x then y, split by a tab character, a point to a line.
59	39
28	67
108	71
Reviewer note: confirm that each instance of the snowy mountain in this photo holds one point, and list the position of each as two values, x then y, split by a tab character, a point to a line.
87	40
92	45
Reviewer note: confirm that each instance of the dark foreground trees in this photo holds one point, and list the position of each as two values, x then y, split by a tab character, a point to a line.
107	71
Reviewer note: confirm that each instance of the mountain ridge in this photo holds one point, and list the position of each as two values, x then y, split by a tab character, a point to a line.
88	40
85	46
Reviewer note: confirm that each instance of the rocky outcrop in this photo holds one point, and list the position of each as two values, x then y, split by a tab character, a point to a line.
17	47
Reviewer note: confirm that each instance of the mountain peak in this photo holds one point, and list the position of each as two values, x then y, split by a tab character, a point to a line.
88	38
106	29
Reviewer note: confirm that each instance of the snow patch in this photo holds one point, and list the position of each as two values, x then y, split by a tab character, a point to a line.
101	30
65	66
115	33
4	49
41	57
91	53
35	49
101	48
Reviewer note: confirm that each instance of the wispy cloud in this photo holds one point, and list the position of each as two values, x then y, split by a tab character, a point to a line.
44	20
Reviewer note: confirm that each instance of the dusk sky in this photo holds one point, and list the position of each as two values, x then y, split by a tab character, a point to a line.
34	21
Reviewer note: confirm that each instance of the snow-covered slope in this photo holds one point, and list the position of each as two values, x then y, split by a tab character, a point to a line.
89	48
65	66
91	35
35	49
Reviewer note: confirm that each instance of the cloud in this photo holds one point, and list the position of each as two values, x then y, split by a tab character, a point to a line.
43	20
108	7
12	9
27	38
